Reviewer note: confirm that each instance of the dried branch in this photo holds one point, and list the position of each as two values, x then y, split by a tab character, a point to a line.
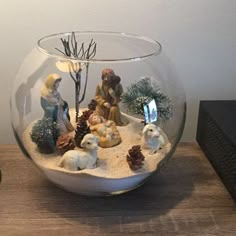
60	51
71	49
85	85
71	75
93	53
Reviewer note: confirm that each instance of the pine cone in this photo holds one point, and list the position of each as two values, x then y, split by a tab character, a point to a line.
86	114
92	105
81	130
65	143
135	157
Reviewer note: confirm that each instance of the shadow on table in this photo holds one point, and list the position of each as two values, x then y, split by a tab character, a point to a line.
161	193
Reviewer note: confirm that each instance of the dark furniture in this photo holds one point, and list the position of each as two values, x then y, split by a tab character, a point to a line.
185	198
216	135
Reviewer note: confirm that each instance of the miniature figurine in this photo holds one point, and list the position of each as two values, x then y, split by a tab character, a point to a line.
105	130
152	138
53	105
108	96
102	127
74	160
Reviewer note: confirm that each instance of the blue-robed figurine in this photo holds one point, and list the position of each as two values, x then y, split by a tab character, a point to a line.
53	105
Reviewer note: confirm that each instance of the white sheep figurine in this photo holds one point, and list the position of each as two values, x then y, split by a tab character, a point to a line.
74	160
152	138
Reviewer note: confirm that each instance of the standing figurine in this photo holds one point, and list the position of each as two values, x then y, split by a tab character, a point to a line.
53	105
108	96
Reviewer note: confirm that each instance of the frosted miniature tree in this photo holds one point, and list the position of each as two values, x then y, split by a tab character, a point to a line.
141	93
44	133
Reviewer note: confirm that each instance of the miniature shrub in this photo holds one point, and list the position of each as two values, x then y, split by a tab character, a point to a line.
45	133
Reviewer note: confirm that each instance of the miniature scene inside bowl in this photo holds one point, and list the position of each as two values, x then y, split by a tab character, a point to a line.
97	112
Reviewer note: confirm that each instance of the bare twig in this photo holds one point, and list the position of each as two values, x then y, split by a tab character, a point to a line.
60	51
71	48
85	85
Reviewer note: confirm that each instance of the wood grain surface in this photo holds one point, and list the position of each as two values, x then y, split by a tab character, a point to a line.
185	198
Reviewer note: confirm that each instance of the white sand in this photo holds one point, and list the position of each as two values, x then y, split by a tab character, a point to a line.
111	161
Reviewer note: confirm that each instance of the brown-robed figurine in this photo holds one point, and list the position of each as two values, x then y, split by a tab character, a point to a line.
108	96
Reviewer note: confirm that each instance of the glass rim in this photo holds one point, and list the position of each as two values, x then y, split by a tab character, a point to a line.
155	43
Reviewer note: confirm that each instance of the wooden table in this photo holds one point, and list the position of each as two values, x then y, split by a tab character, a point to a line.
185	198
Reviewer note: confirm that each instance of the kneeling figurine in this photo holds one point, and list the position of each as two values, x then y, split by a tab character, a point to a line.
74	160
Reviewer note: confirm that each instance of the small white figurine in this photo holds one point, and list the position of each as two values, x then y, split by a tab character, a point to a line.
152	138
74	160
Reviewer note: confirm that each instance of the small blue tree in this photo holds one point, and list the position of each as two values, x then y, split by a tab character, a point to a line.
45	133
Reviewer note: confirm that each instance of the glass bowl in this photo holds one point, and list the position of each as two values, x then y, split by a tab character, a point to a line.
97	112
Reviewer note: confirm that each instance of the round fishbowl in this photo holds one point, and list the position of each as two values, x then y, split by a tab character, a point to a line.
97	112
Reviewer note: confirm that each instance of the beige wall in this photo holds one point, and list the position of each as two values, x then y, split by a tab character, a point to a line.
199	37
